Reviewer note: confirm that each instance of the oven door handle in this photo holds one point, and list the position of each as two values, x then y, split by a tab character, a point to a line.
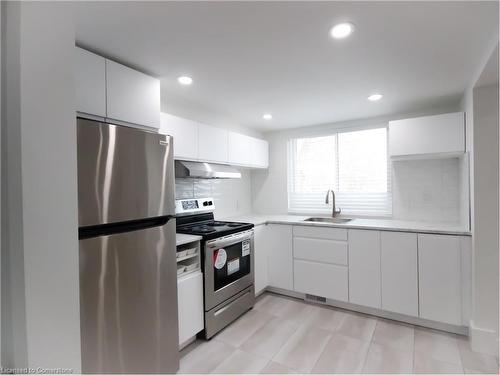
230	240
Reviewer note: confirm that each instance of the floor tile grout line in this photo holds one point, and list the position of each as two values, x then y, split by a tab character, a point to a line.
413	364
369	346
322	351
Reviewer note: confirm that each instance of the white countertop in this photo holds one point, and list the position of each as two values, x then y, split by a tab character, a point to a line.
182	239
378	224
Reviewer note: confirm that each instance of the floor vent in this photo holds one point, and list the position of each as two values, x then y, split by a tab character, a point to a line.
313	298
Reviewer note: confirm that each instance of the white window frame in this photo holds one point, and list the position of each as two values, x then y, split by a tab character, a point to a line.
328	208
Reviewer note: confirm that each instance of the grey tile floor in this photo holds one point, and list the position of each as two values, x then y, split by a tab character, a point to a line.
284	335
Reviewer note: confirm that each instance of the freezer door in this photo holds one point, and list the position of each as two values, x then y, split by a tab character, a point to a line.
123	173
128	302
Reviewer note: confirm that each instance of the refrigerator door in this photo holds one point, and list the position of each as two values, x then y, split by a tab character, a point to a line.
128	302
123	174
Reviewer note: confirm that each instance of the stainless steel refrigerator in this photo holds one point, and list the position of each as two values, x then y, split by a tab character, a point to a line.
128	275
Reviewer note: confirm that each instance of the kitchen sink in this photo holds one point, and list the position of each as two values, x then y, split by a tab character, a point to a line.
337	220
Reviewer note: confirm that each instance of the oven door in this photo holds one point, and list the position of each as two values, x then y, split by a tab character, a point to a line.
228	267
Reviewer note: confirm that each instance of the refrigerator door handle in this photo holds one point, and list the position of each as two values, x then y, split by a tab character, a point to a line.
126	226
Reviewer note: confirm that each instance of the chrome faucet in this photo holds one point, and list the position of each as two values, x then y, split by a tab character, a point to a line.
335	212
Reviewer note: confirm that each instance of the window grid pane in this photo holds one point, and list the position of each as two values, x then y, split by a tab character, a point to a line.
355	164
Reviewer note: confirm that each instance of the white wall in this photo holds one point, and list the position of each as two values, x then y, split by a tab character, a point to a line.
480	102
42	218
428	190
232	197
269	187
14	346
485	222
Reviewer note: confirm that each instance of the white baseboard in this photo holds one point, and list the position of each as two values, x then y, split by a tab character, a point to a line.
483	340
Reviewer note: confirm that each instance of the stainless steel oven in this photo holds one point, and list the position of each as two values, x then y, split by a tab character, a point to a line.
228	262
228	267
229	277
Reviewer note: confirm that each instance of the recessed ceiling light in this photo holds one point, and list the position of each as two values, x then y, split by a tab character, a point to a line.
342	30
375	97
185	80
267	116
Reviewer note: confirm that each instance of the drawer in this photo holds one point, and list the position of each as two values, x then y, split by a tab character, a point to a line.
323	233
319	250
319	279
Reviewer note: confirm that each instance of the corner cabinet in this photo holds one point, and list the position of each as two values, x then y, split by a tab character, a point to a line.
280	259
114	92
260	258
430	135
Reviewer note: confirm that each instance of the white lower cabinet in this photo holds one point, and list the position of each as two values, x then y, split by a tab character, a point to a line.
439	270
280	259
364	268
190	306
419	275
399	277
321	279
260	258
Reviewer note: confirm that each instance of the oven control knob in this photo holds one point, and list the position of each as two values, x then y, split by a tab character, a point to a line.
209	203
205	203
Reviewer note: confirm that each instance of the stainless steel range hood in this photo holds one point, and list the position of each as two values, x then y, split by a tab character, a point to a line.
194	169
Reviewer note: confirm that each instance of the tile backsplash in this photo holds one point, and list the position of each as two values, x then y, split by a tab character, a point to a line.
429	190
232	196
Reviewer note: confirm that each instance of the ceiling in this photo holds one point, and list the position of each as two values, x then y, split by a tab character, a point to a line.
248	58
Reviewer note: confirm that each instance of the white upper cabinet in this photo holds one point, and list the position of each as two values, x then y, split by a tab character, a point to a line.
107	89
200	142
212	144
185	133
441	134
240	149
439	272
90	83
248	151
132	96
260	154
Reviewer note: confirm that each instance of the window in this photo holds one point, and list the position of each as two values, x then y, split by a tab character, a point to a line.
353	163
